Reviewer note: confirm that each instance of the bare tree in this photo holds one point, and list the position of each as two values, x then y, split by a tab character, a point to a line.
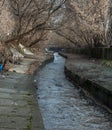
85	23
33	19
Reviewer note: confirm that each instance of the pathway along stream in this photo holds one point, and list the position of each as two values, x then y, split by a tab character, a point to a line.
63	106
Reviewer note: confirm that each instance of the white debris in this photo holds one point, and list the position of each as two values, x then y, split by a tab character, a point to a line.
15	53
25	50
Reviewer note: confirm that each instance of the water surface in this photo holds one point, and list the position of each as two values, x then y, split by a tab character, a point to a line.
63	106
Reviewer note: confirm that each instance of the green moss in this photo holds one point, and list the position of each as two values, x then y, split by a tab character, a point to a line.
30	102
107	63
29	124
30	92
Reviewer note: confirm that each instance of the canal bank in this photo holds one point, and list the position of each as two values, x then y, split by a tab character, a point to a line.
19	108
90	75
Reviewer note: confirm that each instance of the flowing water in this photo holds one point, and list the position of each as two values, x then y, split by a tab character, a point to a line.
63	106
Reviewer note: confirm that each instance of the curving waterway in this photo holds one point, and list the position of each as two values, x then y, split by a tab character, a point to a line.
63	106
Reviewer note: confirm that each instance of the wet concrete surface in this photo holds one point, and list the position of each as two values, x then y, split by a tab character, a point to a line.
18	105
63	106
23	67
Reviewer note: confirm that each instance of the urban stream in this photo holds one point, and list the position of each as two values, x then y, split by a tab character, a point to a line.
64	106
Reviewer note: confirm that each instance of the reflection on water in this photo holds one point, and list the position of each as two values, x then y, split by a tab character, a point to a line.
62	105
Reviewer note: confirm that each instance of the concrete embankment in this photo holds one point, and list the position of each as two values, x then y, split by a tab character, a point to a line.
90	75
18	99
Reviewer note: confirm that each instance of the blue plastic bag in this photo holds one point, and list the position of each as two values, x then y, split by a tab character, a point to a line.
1	67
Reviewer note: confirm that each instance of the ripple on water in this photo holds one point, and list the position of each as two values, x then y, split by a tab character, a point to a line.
62	105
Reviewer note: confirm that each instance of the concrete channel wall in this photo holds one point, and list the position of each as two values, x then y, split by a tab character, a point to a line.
101	93
48	60
38	112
